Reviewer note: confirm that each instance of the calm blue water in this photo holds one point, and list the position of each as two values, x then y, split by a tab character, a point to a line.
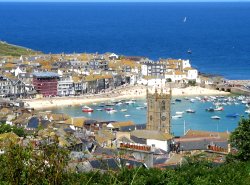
201	120
217	33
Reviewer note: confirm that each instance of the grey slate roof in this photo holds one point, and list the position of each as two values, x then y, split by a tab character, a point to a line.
201	144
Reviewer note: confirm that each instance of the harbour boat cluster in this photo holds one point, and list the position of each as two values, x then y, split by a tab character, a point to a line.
185	108
114	106
217	105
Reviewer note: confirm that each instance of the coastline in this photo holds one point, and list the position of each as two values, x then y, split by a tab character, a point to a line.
129	92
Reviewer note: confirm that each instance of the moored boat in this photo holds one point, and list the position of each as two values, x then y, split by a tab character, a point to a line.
123	110
109	109
129	102
190	111
87	109
176	116
215	117
210	109
219	109
179	113
232	115
247	111
140	107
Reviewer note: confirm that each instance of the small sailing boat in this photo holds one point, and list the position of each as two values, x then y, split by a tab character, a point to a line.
185	19
189	51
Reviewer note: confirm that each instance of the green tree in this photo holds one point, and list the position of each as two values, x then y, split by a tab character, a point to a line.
5	128
27	165
240	139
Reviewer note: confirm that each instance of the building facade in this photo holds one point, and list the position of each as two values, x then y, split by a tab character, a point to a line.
45	83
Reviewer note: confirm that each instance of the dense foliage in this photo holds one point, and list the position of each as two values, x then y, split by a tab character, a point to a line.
21	165
240	139
5	128
26	165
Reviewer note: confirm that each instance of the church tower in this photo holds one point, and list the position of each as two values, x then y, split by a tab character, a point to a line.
158	111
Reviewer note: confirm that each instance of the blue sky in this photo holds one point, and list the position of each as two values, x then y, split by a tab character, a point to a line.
124	0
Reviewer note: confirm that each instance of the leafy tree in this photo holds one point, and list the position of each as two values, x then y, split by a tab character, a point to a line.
5	128
26	165
240	139
191	83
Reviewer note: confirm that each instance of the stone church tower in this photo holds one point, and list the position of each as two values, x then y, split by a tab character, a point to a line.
158	115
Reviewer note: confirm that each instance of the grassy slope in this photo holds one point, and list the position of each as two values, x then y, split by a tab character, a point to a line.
12	50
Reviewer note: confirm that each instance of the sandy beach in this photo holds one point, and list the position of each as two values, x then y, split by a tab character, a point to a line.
128	92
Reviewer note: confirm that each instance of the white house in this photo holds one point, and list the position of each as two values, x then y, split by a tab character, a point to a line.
152	138
192	74
185	64
144	69
113	56
176	76
19	70
65	86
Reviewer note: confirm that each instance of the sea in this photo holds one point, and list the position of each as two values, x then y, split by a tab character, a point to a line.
217	34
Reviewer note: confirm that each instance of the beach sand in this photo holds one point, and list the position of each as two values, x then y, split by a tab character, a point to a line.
128	92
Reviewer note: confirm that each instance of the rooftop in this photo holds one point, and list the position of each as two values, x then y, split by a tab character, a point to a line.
45	74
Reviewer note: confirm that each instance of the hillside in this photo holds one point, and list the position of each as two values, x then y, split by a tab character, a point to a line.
13	50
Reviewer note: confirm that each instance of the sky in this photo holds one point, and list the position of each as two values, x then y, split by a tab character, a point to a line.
124	0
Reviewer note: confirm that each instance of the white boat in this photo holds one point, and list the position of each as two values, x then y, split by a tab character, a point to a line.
119	103
99	109
129	102
176	116
127	115
87	109
215	117
247	111
190	111
192	100
185	19
123	110
179	113
219	109
140	107
111	111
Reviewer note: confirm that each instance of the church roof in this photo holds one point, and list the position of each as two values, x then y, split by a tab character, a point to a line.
151	134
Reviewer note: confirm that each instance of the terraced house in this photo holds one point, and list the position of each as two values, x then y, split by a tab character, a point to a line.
11	87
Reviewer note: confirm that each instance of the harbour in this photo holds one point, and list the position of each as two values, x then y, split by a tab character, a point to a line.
181	120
